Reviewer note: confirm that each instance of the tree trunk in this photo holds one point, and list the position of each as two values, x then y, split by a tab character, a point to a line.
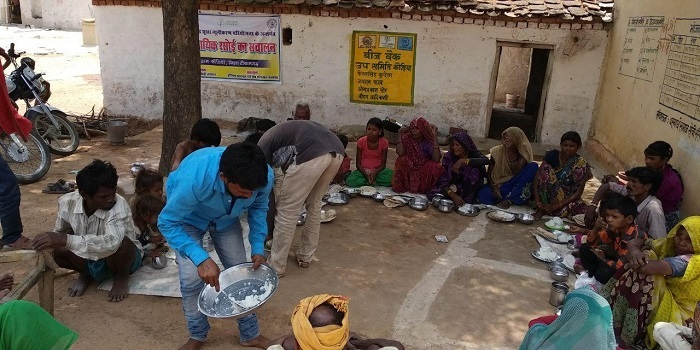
182	99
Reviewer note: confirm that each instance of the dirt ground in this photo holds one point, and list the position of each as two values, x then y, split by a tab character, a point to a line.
476	292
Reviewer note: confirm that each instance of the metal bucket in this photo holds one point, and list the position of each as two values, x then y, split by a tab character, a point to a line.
116	131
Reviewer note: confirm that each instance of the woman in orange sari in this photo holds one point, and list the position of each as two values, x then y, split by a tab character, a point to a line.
418	167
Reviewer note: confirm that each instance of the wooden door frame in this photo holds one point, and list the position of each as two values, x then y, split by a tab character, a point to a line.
494	79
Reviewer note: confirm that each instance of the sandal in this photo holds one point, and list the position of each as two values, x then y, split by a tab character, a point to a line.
23	243
303	264
59	187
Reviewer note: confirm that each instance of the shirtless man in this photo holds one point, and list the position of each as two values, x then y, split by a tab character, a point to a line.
205	133
94	233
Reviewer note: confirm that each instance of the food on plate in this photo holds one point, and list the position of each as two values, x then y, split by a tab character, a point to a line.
546	253
501	216
367	190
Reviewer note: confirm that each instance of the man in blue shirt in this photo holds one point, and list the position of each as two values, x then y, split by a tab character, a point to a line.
208	192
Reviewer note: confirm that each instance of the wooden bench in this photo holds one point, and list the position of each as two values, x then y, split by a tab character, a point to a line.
42	273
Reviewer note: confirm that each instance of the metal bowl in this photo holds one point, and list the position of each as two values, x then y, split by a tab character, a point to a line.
136	167
556	265
302	219
468	210
338	199
378	197
446	205
159	262
436	199
559	274
418	203
238	282
352	192
526	219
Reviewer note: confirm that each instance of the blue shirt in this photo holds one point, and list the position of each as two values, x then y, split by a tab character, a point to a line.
197	196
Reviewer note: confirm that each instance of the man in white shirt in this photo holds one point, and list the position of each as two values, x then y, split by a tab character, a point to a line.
94	233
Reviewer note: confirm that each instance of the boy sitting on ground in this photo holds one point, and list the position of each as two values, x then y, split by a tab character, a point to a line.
599	262
321	322
94	233
205	133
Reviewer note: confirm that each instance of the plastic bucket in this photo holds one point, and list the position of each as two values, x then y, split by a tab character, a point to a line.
116	131
512	100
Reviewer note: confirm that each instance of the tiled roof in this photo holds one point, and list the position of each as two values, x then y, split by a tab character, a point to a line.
567	10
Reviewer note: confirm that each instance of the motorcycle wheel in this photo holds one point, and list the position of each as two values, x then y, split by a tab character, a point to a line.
30	165
62	141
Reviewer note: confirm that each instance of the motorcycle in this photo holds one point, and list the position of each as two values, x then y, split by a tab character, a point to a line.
29	159
50	123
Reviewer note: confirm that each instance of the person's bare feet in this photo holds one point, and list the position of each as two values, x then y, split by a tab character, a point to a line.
79	286
7	281
120	289
259	342
4	292
539	214
192	345
504	204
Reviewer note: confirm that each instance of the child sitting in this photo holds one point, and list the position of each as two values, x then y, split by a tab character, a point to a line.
145	211
605	250
147	182
344	169
205	133
371	158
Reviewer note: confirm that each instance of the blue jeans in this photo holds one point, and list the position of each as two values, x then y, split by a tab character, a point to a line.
10	219
229	246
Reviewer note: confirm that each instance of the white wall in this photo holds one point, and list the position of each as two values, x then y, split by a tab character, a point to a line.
66	14
57	14
452	80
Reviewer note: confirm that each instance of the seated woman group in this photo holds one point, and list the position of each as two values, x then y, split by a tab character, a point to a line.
463	177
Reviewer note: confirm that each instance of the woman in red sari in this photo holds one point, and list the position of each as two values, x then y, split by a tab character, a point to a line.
418	167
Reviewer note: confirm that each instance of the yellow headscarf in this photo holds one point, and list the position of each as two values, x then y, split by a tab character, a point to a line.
332	337
675	298
501	171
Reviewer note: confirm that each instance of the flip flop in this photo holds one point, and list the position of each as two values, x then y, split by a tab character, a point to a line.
59	187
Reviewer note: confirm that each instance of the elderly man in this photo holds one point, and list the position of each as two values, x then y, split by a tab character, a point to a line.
309	156
208	193
301	111
94	232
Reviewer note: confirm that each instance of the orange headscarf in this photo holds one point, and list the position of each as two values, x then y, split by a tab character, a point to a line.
332	337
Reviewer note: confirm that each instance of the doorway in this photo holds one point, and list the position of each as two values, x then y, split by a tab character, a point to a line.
518	88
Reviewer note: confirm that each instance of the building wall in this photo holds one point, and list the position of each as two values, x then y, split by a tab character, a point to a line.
453	71
57	14
513	73
626	116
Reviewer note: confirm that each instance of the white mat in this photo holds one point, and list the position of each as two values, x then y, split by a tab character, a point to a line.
166	281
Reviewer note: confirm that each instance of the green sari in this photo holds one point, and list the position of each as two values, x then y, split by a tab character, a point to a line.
25	325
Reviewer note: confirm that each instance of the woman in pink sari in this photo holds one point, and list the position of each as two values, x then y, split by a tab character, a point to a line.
418	167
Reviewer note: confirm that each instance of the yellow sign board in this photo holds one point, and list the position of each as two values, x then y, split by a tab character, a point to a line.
382	70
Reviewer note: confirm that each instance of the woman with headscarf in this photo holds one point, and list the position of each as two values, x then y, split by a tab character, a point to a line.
649	291
417	168
465	168
510	172
561	179
585	323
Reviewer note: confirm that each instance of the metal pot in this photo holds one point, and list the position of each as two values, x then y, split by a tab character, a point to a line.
436	199
559	274
526	219
160	262
446	205
419	204
378	197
